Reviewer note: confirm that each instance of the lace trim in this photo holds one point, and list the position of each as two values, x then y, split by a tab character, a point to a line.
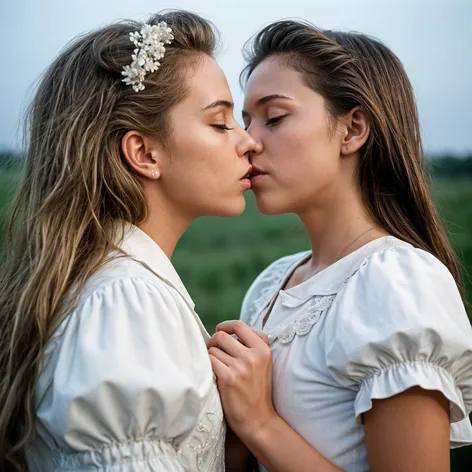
208	442
303	324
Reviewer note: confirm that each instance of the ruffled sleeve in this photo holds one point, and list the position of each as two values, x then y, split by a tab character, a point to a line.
400	322
129	381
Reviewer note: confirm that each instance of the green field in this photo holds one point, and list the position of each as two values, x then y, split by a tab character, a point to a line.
218	259
8	183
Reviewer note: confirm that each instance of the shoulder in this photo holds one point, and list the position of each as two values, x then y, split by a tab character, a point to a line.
124	289
401	303
123	277
120	269
404	271
399	322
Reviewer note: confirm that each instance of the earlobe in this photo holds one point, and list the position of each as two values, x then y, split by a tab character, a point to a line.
141	154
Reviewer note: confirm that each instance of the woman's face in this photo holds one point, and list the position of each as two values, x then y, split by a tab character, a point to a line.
297	159
205	172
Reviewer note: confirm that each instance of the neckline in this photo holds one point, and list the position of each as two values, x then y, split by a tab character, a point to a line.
326	282
330	275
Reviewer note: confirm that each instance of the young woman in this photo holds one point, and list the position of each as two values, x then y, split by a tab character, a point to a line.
370	342
103	361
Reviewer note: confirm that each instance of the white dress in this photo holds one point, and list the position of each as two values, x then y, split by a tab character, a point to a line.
126	383
385	318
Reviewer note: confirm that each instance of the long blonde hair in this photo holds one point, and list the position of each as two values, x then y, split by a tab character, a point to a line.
76	186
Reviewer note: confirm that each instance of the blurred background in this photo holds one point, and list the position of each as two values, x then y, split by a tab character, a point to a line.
218	259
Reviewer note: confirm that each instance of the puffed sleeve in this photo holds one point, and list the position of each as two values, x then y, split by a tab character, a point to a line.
399	323
129	381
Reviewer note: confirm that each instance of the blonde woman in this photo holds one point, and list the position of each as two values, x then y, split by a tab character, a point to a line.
103	363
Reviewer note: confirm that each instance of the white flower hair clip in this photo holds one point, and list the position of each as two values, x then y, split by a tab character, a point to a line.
150	48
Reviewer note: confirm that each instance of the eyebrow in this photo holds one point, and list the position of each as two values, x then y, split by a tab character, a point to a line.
267	99
219	103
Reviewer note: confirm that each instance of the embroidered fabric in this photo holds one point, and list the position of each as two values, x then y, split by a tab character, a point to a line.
302	324
207	445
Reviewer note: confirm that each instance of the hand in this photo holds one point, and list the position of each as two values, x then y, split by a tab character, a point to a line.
244	375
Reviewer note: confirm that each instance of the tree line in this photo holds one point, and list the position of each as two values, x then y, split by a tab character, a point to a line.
446	165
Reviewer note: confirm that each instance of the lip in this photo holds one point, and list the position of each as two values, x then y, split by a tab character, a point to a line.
256	170
245	180
257	175
248	172
257	178
246	183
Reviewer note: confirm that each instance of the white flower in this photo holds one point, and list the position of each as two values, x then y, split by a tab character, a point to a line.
150	48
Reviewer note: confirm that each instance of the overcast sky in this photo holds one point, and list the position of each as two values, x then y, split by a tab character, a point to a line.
433	38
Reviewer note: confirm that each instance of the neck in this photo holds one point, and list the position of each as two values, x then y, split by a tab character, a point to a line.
338	225
165	223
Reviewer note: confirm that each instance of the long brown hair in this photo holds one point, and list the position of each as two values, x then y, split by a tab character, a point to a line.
350	70
76	186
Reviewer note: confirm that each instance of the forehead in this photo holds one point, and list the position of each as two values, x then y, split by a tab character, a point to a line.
206	83
272	76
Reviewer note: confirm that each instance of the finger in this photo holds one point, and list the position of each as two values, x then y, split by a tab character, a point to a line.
245	334
211	341
228	344
263	336
219	369
221	356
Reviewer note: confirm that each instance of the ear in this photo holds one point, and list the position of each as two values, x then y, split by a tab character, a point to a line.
142	154
356	132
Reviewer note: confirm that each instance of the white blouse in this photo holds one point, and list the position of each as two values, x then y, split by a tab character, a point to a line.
126	383
383	319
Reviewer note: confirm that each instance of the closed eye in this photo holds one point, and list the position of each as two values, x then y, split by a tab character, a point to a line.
223	127
275	120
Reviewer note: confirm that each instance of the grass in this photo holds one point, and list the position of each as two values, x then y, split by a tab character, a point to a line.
8	184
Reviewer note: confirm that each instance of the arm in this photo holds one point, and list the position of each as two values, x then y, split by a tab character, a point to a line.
280	449
125	384
244	372
406	432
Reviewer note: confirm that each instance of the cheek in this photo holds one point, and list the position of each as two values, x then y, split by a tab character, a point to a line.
292	151
202	167
305	161
311	147
195	153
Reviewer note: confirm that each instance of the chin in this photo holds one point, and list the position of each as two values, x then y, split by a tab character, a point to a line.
267	206
232	209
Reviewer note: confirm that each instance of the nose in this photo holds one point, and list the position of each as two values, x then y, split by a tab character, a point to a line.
248	144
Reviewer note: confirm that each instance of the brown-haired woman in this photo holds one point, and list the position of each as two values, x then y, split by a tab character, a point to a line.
370	340
103	362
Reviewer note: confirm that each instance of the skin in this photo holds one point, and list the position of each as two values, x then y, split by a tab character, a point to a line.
309	162
200	172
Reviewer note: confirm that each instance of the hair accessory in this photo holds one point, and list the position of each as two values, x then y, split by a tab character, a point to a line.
149	50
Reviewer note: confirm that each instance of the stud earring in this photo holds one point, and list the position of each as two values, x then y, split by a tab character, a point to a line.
154	174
